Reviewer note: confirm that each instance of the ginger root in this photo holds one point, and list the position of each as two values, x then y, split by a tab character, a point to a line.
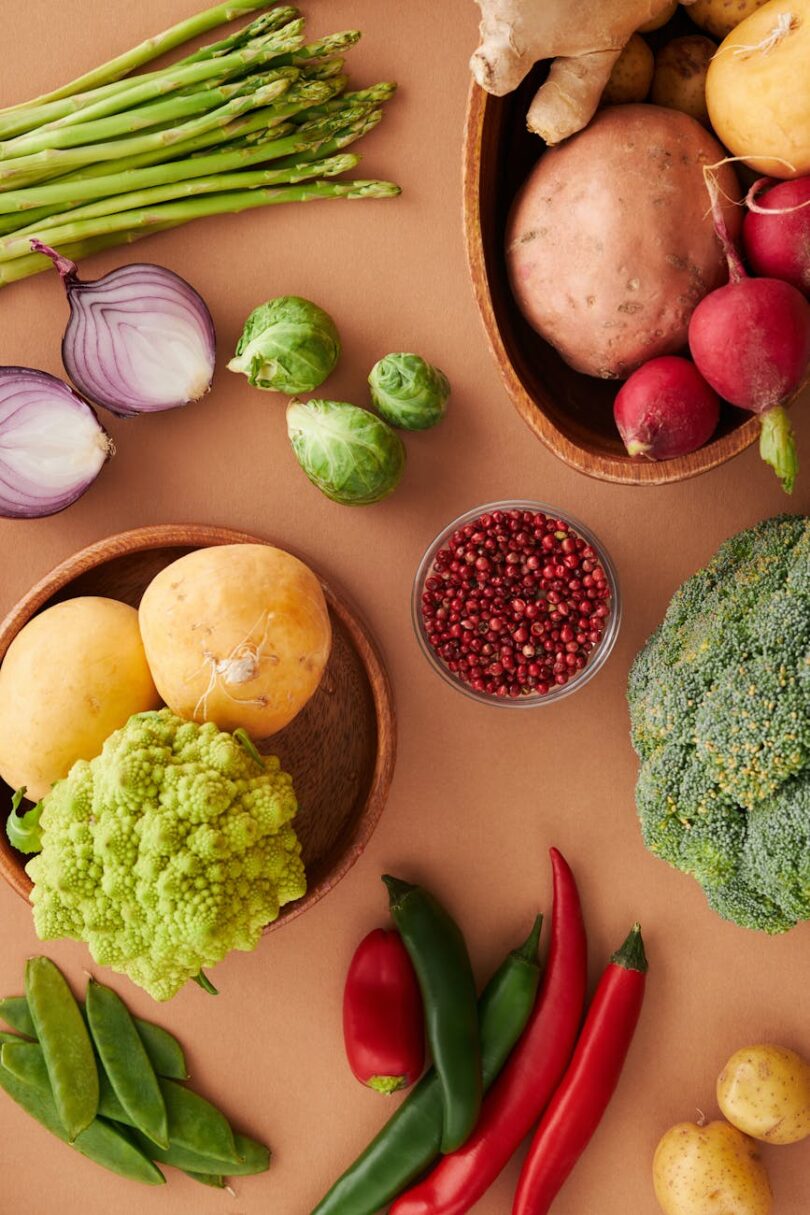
583	37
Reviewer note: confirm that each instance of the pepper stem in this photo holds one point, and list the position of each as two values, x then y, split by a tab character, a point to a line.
631	956
397	889
529	950
778	447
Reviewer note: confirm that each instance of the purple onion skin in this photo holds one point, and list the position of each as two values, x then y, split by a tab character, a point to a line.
98	363
22	392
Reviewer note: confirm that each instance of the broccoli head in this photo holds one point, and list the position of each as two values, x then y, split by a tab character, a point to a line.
170	848
720	718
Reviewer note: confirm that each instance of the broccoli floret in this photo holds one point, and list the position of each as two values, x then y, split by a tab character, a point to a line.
720	717
166	851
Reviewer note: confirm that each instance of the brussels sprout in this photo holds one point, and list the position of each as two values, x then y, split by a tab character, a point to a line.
409	392
288	344
351	455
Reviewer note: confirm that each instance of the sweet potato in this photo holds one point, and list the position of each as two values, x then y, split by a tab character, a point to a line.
610	245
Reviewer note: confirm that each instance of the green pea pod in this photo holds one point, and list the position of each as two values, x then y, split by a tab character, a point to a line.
26	1061
126	1062
14	1011
206	1178
197	1125
12	1038
411	1139
100	1141
255	1157
442	964
65	1043
164	1051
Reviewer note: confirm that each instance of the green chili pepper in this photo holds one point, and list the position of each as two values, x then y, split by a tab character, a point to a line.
65	1043
126	1062
100	1141
411	1139
442	964
255	1157
164	1051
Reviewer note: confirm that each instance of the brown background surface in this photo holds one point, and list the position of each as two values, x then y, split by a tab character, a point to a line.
479	794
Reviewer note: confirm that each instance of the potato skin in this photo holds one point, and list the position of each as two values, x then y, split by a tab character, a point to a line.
237	634
710	1170
720	17
632	74
680	75
759	101
765	1092
71	676
609	246
663	17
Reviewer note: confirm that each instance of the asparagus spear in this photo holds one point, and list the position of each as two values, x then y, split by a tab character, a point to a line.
173	214
321	139
146	51
31	115
169	112
175	78
19	244
26	170
34	263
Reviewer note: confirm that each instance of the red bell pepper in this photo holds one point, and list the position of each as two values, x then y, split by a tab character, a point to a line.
535	1067
582	1098
383	1017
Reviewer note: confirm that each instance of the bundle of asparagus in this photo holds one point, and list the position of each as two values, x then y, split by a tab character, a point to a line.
258	118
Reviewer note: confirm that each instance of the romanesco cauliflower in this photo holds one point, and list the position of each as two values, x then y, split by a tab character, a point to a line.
170	848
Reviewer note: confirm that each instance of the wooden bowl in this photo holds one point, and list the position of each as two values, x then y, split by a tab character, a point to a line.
340	749
572	413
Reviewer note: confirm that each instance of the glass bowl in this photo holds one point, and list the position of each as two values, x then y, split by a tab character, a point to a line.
597	657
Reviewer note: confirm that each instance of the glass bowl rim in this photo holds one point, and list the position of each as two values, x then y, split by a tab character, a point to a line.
599	656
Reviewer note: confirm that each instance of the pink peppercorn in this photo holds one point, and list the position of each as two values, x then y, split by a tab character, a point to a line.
515	603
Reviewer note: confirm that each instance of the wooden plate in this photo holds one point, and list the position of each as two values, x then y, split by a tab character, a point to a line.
570	412
340	749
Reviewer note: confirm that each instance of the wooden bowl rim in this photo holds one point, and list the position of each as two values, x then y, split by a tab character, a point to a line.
605	468
192	535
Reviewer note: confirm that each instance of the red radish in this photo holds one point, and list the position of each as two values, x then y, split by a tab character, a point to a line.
751	341
776	231
666	409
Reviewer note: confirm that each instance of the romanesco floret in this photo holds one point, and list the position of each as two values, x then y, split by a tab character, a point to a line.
720	717
170	848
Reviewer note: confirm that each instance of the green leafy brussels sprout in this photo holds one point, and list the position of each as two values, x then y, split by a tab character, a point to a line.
352	456
288	344
409	392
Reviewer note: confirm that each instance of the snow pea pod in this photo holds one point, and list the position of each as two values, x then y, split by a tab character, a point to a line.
126	1062
442	964
26	1061
196	1124
65	1044
6	1037
254	1157
99	1141
213	1179
411	1139
164	1051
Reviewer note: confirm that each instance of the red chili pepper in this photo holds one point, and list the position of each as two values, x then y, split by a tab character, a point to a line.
579	1103
534	1069
383	1018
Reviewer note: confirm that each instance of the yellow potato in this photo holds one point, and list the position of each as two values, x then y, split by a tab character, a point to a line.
237	634
679	82
720	17
710	1170
632	74
663	17
765	1092
758	89
71	676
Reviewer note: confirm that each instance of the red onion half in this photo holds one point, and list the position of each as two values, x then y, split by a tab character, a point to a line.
139	340
52	446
